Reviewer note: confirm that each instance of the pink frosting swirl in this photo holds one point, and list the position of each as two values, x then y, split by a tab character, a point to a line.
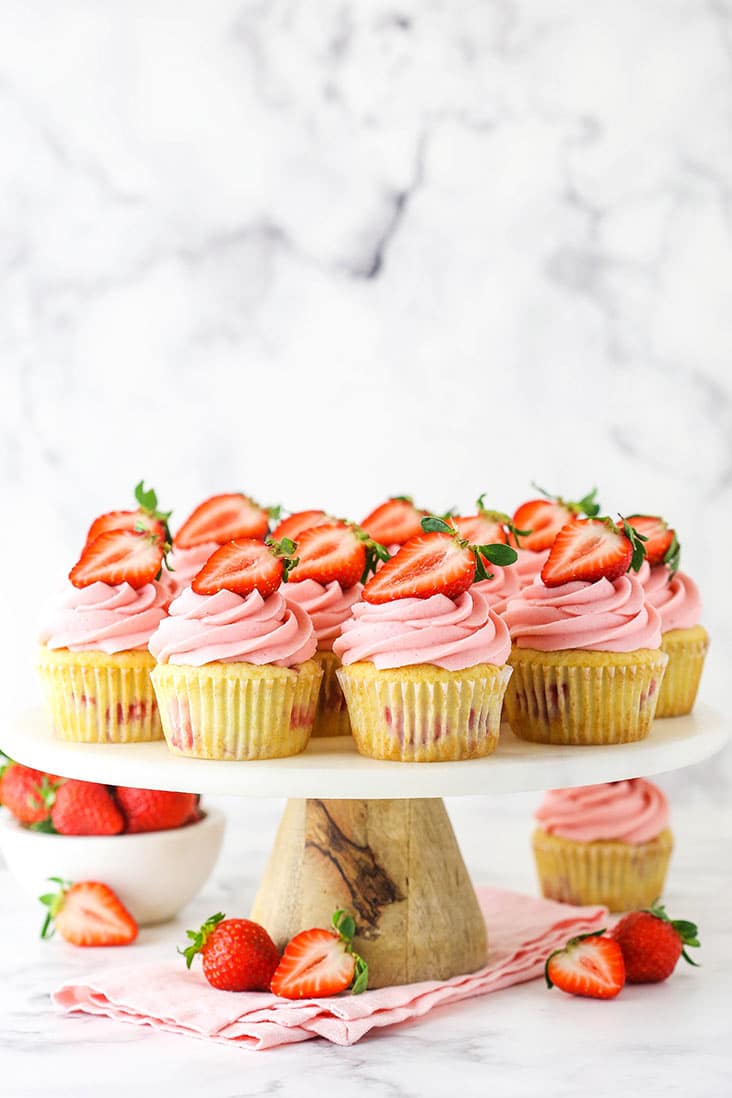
503	585
449	633
106	618
603	616
230	628
187	563
530	564
633	811
676	597
327	605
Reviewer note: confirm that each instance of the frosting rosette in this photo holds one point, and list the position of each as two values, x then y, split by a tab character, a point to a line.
504	584
328	606
604	616
106	618
448	633
634	811
529	564
675	596
231	628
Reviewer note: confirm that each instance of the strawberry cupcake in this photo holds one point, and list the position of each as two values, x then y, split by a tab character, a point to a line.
586	652
93	662
424	656
676	598
214	522
604	844
235	678
333	559
536	524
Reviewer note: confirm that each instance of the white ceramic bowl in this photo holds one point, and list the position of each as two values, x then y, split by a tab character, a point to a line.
154	873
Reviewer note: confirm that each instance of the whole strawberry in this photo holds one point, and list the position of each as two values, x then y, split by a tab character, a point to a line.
652	944
155	809
238	955
85	808
25	791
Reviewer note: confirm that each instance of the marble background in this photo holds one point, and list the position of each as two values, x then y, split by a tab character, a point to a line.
324	253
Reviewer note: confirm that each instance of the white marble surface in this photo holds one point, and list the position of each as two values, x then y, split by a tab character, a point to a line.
671	1038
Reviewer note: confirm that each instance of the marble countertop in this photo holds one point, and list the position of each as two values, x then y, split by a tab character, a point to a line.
522	1041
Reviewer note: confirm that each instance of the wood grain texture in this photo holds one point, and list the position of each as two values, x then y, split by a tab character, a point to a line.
396	866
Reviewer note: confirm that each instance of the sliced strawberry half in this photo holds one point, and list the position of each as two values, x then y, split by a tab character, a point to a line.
119	556
543	519
221	519
146	517
661	543
245	565
296	524
588	549
590	965
431	564
480	529
333	551
88	914
321	962
394	522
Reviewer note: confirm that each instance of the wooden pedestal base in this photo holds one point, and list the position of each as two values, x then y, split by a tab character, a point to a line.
395	866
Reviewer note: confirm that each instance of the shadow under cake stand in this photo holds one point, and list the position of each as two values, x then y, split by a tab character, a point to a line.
369	836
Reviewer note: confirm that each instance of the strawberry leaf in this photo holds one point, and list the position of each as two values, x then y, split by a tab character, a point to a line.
433	524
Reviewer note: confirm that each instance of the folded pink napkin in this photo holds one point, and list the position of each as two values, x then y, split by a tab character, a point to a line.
522	931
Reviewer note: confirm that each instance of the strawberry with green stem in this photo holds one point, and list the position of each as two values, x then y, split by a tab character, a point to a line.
590	965
223	518
245	565
237	954
592	549
661	543
542	519
320	962
395	521
120	556
652	943
337	551
487	526
147	518
87	914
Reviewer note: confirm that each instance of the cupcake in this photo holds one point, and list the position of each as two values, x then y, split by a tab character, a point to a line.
536	524
604	844
676	598
424	656
94	662
586	652
214	522
235	678
333	558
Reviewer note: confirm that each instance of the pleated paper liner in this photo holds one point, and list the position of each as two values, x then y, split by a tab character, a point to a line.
331	718
237	711
686	650
622	876
424	713
575	697
93	697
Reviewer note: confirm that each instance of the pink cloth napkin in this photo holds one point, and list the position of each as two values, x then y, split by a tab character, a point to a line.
522	931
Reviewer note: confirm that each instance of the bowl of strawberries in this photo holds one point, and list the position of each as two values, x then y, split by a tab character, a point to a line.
154	848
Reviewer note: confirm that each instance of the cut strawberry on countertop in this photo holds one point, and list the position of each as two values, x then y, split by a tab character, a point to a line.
334	551
119	556
661	544
221	519
147	518
238	954
296	524
590	965
155	809
652	944
542	519
245	565
87	914
85	808
394	522
321	962
592	549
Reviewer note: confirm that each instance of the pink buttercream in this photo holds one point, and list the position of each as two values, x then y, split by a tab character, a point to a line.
633	811
232	628
449	633
187	563
504	584
530	564
327	605
106	618
676	597
603	616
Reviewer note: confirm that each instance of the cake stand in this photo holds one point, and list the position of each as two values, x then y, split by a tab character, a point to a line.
373	837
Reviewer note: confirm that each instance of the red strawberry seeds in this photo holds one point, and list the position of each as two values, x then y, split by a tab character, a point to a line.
238	954
652	944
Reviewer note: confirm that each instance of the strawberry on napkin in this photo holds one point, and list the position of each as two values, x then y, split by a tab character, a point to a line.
522	932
